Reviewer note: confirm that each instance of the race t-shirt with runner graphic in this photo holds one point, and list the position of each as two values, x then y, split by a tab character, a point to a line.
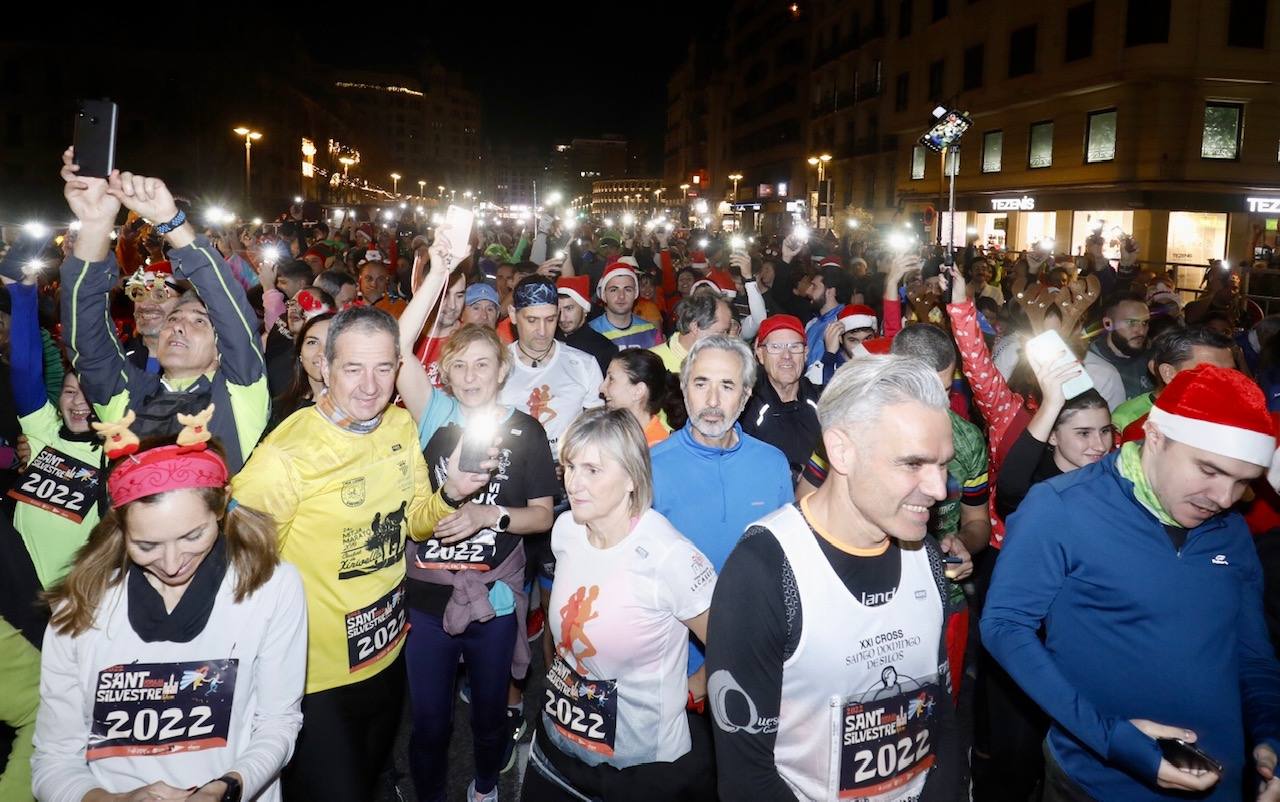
554	392
616	689
525	471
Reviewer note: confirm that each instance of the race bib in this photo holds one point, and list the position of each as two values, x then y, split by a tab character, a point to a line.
583	710
375	630
885	746
161	708
59	484
474	554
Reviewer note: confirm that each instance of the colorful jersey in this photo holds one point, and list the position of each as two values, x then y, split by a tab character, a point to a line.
616	690
343	503
640	334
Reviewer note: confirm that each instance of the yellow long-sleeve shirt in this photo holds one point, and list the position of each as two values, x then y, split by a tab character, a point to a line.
344	503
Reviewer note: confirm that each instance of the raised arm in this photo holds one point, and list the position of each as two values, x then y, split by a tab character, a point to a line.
994	398
412	382
26	352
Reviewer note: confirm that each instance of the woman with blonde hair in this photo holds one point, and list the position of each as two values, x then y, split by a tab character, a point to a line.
174	662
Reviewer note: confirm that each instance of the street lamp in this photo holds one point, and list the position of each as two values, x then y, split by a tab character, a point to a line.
395	183
735	178
422	189
440	187
346	162
821	163
249	137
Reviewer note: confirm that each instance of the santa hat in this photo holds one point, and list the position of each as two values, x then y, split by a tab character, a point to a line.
1221	411
614	271
778	323
629	260
698	259
857	316
710	283
874	346
576	287
830	261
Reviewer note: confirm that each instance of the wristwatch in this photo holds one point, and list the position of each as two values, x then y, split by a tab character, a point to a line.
234	788
504	520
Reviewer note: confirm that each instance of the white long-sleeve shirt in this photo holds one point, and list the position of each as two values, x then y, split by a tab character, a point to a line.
118	713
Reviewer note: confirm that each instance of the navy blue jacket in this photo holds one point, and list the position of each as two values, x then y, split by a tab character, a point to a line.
1133	629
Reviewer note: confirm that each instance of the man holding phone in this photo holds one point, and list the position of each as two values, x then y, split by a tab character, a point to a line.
1134	564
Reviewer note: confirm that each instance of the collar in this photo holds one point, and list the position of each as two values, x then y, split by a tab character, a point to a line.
183	385
686	437
1129	464
339	418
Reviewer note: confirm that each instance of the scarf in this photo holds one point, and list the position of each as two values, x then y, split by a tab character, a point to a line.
153	622
1130	467
342	420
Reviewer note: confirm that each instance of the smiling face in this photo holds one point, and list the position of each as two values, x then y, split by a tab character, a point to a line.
483	312
293	309
169	537
1082	437
311	352
149	313
362	376
783	356
187	347
73	405
894	468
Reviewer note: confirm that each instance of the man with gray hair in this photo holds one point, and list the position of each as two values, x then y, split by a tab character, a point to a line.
711	479
699	315
828	671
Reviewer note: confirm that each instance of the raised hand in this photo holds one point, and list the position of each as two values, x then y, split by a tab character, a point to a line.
148	197
742	261
88	197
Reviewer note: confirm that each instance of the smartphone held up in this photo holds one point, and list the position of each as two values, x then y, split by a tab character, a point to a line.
95	137
1049	347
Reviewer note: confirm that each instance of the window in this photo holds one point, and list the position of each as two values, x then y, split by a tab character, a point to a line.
904	18
992	150
1079	32
973	61
1022	51
1247	23
1146	22
1040	147
1100	145
917	162
901	92
939	9
936	70
1222	126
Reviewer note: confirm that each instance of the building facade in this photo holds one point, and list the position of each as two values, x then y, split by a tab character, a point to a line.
639	196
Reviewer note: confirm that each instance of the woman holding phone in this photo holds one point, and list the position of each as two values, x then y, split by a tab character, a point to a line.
466	583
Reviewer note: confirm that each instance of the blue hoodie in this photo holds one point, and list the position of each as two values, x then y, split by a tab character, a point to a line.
1134	629
711	495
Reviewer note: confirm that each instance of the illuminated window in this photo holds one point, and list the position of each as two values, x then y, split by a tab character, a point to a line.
1100	146
1040	148
992	151
917	162
1222	128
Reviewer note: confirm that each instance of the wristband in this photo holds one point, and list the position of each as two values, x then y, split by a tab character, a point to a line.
234	789
165	228
449	500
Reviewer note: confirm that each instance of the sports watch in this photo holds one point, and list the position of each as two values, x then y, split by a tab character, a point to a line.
504	520
234	788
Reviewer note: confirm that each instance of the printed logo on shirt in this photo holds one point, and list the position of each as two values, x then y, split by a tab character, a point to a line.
367	550
539	404
883	649
703	572
353	492
1220	559
885	738
729	703
161	708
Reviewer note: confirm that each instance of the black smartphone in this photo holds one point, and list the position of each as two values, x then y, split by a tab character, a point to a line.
1183	755
95	137
477	439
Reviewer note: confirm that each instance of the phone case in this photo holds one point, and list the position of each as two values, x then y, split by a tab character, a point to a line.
95	138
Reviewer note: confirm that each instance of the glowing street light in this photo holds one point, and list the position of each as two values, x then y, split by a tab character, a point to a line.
735	178
422	189
821	163
346	162
395	183
250	136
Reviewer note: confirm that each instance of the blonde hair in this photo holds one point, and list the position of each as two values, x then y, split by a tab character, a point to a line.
464	338
103	561
617	433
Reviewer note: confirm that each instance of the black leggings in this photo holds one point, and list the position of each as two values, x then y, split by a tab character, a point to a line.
346	739
689	778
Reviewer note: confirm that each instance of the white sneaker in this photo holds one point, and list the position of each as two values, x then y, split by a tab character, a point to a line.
472	796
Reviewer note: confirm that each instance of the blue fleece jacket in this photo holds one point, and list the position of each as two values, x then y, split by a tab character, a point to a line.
711	494
1133	629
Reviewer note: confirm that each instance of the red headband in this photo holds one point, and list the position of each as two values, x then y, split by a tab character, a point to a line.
159	470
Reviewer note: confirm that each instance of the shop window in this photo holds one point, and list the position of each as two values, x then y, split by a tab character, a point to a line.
1222	128
901	92
1022	51
918	157
974	58
1146	22
1100	145
1247	23
992	151
1079	43
1040	147
936	70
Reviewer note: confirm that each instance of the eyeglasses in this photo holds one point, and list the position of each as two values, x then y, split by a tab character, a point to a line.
156	291
778	348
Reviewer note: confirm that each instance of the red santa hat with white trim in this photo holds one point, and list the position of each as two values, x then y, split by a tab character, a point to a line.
857	316
1221	411
616	270
577	288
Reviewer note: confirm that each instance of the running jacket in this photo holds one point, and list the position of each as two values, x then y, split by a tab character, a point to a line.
790	426
113	384
1133	629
